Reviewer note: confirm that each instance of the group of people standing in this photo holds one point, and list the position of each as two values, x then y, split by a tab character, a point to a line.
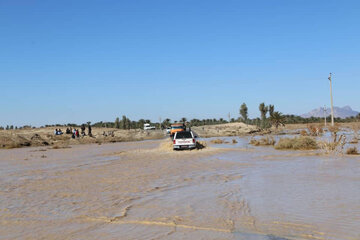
75	132
58	131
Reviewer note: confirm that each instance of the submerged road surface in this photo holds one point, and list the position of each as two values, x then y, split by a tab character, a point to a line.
144	190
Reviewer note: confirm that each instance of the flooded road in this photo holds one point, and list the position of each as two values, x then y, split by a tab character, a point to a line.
142	191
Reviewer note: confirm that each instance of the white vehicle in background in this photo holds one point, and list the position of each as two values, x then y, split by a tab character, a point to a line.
184	140
147	126
168	129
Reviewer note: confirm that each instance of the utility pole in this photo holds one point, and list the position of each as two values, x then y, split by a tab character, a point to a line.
229	116
332	105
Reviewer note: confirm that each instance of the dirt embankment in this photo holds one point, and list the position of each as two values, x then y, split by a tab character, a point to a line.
46	137
229	129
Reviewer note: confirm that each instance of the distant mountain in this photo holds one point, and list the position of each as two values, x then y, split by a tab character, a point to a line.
341	112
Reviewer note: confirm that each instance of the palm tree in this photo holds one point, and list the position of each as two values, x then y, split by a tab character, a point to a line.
263	110
166	122
271	109
277	119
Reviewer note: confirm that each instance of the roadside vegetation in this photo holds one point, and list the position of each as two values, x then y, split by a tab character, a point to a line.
217	141
336	143
355	128
264	141
352	151
312	130
297	143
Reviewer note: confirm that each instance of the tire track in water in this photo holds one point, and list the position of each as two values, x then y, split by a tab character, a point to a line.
155	223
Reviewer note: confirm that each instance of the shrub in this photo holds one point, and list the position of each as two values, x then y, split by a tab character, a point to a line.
297	143
355	128
352	151
334	129
337	143
354	141
217	141
315	130
265	141
304	133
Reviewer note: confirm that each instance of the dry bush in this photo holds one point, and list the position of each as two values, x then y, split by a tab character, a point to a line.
304	133
234	141
355	127
336	145
335	128
297	143
315	130
354	141
352	151
264	141
217	141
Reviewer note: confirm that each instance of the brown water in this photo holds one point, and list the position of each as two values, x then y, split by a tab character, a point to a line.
137	191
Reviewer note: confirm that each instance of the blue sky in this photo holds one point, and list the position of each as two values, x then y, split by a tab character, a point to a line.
78	61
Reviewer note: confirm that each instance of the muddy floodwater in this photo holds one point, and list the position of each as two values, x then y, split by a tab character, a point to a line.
143	190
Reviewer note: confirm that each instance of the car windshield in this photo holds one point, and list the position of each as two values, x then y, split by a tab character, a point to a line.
177	127
183	135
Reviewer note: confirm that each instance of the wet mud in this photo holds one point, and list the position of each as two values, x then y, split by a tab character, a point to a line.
143	190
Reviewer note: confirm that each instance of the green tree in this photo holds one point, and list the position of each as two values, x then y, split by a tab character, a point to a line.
263	111
183	119
141	123
123	122
127	123
117	123
244	112
277	119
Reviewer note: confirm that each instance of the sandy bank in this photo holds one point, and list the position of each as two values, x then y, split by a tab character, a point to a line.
45	136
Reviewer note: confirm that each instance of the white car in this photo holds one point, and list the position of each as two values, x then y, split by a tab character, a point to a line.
184	140
147	126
